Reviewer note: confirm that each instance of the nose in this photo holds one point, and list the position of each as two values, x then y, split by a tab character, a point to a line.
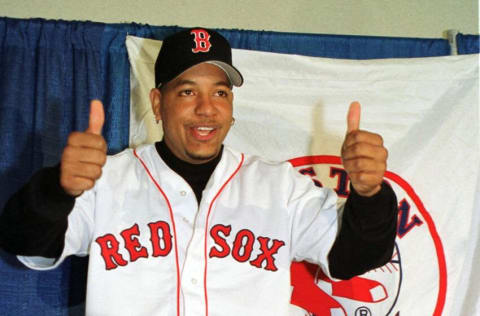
205	105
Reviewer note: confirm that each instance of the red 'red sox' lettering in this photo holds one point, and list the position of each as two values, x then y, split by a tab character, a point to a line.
214	232
132	244
109	247
243	245
241	248
267	253
155	237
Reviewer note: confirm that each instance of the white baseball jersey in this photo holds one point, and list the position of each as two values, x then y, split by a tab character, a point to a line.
155	251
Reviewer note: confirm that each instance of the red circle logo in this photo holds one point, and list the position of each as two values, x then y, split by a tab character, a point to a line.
388	289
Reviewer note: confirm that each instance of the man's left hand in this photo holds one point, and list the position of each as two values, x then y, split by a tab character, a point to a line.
363	155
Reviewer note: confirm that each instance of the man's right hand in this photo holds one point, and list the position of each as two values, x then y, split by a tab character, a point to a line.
84	155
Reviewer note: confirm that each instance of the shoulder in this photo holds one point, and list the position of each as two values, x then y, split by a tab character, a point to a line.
127	161
254	162
129	155
275	173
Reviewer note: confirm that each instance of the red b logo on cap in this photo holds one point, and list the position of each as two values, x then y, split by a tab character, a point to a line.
202	41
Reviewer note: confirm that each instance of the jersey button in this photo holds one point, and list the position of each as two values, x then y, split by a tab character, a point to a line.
183	193
194	281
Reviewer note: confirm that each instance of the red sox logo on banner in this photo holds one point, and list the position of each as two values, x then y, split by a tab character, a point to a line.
387	290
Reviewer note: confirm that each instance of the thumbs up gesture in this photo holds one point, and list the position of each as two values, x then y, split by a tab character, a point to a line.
363	155
84	155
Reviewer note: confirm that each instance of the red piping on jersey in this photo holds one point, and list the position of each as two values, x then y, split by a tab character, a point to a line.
206	232
173	225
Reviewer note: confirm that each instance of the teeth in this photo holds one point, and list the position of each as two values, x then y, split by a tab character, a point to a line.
204	131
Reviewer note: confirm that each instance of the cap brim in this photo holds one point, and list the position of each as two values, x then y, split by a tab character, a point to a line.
233	74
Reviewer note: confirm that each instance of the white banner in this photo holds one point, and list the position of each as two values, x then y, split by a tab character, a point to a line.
427	110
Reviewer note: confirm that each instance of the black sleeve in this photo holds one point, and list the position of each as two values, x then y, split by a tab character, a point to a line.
34	220
367	234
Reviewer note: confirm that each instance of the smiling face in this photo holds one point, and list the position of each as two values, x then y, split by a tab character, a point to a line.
196	112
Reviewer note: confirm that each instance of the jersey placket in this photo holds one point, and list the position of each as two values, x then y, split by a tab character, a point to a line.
190	225
194	264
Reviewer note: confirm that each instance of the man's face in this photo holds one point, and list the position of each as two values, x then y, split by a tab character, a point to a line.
196	112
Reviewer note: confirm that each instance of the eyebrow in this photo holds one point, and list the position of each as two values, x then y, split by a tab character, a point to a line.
182	82
224	83
191	82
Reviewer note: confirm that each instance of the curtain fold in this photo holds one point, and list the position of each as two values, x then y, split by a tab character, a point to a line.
50	70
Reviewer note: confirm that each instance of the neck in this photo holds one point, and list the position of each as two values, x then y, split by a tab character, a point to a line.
196	175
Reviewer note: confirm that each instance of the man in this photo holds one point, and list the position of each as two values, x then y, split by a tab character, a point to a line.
191	227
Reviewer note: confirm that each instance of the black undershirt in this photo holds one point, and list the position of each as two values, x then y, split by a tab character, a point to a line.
196	175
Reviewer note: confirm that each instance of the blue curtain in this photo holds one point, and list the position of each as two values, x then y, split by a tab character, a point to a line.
50	70
468	44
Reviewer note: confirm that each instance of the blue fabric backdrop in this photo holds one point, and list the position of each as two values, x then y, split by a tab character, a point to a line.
468	44
49	72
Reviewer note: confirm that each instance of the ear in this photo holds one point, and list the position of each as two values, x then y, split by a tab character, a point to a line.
155	100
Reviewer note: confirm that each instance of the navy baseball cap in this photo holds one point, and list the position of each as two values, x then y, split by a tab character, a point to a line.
188	48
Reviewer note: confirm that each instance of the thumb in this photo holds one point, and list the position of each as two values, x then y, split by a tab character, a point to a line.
353	117
97	117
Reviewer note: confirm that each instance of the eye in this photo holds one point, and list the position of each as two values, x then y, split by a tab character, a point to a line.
186	92
222	93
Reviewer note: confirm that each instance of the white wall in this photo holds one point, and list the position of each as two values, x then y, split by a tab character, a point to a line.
405	18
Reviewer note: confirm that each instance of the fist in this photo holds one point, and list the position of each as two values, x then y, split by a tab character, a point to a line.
363	155
84	155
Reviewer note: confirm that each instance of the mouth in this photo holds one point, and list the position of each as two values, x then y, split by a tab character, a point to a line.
203	133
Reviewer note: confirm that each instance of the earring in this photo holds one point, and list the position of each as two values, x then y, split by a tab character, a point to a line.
233	121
